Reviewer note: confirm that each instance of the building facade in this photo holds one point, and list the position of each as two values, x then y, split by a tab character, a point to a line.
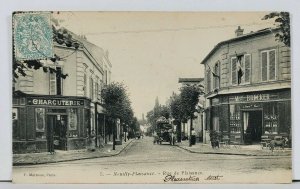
198	121
248	87
67	111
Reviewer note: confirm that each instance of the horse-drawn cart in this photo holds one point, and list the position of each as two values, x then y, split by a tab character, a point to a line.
164	132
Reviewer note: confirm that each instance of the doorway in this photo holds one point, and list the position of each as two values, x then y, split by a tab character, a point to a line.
252	121
56	132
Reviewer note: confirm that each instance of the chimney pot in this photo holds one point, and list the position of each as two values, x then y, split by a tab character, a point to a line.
239	31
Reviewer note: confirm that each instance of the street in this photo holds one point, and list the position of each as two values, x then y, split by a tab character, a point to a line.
144	162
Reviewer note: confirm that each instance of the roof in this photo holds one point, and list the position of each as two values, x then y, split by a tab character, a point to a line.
239	38
95	51
190	80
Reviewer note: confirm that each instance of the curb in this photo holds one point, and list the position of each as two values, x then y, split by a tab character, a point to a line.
226	153
93	157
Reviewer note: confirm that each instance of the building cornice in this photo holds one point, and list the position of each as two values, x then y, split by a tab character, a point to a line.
240	38
258	87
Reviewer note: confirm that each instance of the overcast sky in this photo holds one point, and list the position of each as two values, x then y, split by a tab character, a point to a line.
150	51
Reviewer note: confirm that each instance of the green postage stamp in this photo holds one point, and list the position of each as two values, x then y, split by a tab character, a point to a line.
33	37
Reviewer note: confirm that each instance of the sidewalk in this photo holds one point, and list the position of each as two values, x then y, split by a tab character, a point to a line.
71	155
247	150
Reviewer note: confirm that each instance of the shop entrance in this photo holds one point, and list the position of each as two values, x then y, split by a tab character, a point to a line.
56	132
252	121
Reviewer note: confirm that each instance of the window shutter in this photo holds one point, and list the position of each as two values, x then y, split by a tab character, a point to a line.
208	81
91	88
264	66
52	83
30	123
59	87
233	72
216	79
96	90
272	64
84	85
22	123
247	68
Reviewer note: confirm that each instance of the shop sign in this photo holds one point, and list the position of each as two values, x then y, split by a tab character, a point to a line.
250	98
247	106
54	102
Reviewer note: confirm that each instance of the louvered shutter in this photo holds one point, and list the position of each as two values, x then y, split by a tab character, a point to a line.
208	83
247	69
233	71
52	83
272	65
264	66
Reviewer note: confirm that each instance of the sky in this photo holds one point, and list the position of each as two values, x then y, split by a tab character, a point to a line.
150	51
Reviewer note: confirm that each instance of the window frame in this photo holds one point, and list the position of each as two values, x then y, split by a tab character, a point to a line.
244	67
233	57
268	64
216	80
243	82
208	81
55	81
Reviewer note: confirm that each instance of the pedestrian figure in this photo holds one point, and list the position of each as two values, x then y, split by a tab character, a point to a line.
50	139
92	141
155	138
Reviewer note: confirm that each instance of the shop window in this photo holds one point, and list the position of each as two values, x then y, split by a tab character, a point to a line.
216	125
15	123
235	126
73	119
40	123
268	65
271	118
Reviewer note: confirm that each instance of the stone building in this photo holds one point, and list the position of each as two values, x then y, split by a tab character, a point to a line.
67	110
248	87
198	121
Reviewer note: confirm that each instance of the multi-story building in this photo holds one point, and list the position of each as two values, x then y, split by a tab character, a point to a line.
68	110
198	121
248	87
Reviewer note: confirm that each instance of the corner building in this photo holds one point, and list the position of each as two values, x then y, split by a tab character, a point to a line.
67	111
248	87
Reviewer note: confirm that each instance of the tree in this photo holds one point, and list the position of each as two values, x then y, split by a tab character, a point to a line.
176	113
116	104
60	36
157	112
189	98
282	20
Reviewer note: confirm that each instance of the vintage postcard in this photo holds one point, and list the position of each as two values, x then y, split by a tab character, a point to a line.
151	97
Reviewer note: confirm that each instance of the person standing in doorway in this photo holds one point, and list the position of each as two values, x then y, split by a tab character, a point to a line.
50	139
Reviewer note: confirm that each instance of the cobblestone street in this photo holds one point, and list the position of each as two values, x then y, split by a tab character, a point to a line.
161	163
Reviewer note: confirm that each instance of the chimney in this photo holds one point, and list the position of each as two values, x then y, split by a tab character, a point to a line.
239	31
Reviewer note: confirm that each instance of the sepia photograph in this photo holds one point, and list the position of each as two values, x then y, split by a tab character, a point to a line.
151	97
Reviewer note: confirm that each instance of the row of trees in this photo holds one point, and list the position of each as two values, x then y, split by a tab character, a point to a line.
180	108
118	106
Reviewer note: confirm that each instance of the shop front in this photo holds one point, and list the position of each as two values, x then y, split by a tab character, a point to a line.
246	117
49	123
